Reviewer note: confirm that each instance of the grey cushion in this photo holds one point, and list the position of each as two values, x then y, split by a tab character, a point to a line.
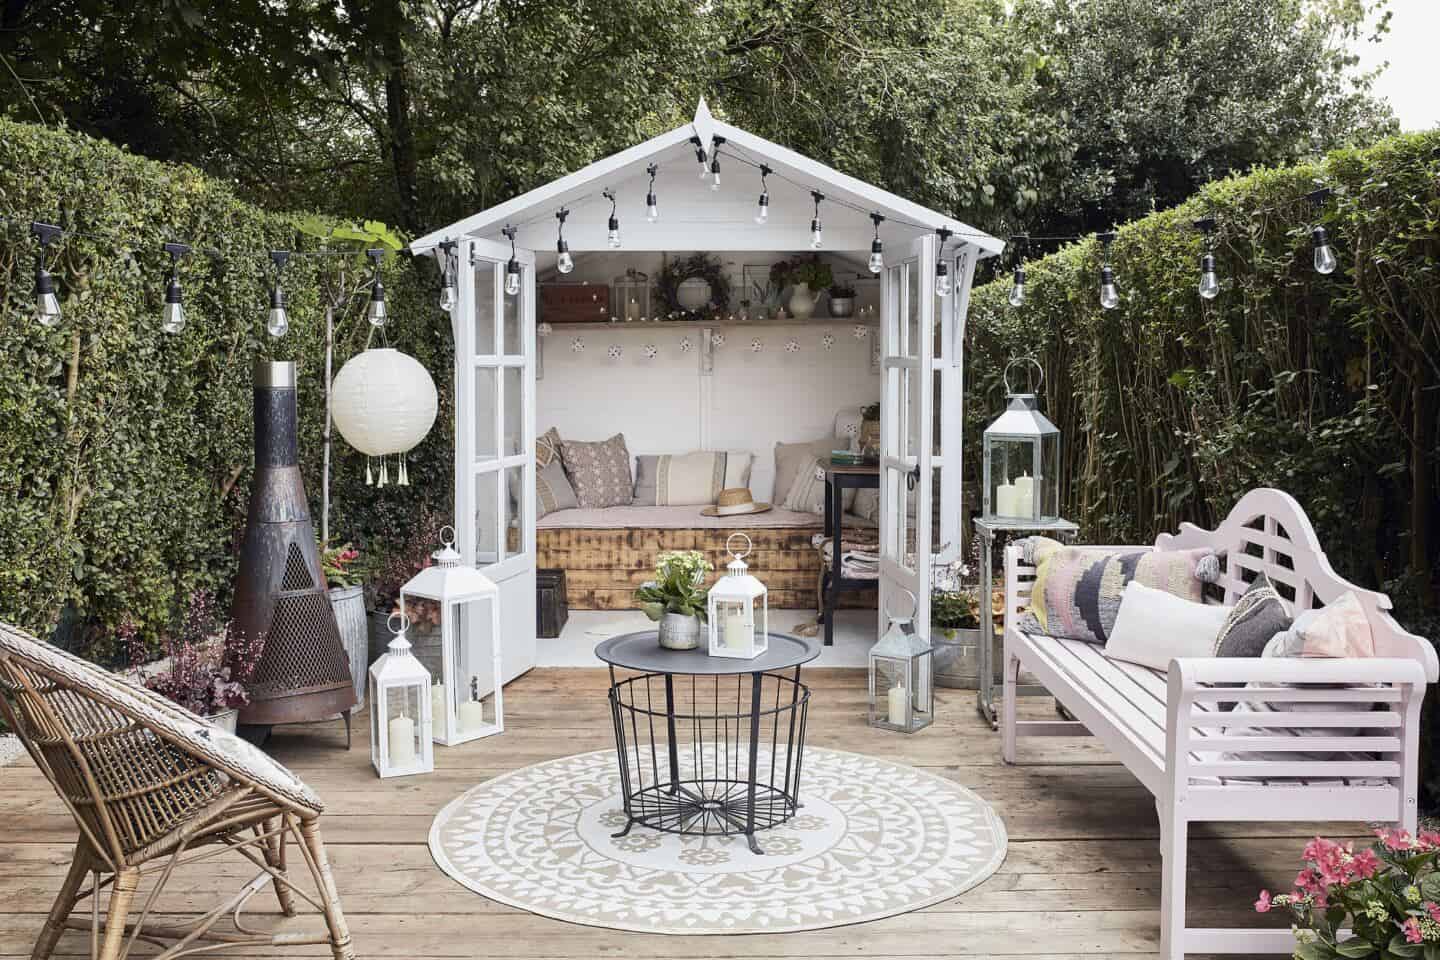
553	490
1256	618
599	472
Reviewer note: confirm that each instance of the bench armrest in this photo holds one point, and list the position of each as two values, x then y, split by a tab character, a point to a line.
1197	672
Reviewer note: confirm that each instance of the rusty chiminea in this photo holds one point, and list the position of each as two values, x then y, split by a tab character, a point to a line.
304	673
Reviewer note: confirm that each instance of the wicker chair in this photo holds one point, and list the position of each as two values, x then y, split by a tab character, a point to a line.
153	787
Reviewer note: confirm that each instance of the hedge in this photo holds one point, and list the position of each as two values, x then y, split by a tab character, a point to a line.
127	453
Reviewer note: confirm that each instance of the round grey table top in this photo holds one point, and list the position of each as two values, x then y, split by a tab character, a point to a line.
642	651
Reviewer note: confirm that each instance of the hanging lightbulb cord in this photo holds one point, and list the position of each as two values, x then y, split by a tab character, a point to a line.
277	321
817	237
1324	255
1209	285
172	318
512	269
762	206
700	157
612	235
877	246
715	163
563	262
943	286
1109	293
652	209
1017	289
448	269
47	305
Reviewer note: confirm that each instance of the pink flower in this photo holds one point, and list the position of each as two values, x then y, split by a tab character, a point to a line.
1263	904
1395	839
1429	840
1412	930
1366	864
1433	909
1307	882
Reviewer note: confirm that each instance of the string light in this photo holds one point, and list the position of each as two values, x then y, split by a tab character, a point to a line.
762	207
172	318
512	269
652	209
1325	261
817	236
564	263
376	312
877	247
612	235
700	157
715	164
1017	289
277	322
447	280
1109	294
47	305
1209	287
942	269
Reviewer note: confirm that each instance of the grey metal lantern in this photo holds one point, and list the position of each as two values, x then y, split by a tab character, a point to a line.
630	296
902	676
1022	460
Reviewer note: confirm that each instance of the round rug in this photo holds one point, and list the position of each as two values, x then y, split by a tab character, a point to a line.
872	839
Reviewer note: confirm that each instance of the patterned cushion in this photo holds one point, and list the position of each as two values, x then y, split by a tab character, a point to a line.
691	479
599	472
1255	619
807	490
552	489
547	447
1077	590
791	457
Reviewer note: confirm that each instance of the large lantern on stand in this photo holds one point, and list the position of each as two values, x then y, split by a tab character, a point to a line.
458	699
902	681
738	609
400	709
1022	460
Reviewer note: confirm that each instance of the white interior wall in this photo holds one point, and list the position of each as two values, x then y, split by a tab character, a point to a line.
751	401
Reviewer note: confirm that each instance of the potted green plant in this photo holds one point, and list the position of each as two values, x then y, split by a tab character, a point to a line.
806	276
842	300
675	599
955	622
344	575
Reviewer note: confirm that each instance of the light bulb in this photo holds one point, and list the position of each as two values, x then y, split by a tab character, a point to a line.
715	173
1109	296
512	278
1325	261
1017	290
447	296
942	279
376	312
47	306
762	209
1209	283
877	256
613	237
652	209
704	164
817	237
565	263
277	323
172	319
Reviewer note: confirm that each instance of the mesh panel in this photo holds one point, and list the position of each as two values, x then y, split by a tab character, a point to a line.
302	649
297	574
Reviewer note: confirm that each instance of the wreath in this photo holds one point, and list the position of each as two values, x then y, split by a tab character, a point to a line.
697	266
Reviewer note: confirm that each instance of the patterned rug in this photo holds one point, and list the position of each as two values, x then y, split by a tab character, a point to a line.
872	839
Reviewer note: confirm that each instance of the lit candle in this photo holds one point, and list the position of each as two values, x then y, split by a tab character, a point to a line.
736	635
1025	496
899	703
437	704
472	716
1005	500
402	741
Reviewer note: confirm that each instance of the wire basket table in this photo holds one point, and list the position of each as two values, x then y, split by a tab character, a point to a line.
708	746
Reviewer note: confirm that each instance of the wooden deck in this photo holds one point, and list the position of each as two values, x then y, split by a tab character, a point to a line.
1081	878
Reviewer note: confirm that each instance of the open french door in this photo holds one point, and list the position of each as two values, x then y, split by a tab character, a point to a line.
495	438
907	352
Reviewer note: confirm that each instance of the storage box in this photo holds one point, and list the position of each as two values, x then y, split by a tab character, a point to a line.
551	607
575	302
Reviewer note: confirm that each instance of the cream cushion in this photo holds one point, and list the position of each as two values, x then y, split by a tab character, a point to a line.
1153	626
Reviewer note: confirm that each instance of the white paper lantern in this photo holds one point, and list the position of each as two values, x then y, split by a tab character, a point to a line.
383	402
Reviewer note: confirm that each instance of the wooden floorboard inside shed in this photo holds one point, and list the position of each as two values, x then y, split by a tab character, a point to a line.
1081	878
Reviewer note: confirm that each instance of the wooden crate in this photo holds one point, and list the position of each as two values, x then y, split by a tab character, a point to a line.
575	302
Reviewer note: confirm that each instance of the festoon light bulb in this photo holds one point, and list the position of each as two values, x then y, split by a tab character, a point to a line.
876	262
1209	283
1017	289
564	262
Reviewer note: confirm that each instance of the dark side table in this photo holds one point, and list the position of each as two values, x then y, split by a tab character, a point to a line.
838	479
709	746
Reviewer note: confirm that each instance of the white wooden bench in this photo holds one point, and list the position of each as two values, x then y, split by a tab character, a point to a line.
1168	730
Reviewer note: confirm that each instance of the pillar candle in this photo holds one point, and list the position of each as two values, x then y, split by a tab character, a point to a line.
1025	496
736	635
1005	500
437	705
471	716
402	741
898	702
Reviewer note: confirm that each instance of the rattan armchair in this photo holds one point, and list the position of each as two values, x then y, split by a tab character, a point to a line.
153	787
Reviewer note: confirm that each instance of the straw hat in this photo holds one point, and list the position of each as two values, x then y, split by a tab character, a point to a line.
734	501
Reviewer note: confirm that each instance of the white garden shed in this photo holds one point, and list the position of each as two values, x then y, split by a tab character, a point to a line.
913	341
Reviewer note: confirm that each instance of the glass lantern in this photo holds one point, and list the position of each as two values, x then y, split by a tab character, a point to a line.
1022	461
902	683
738	609
630	296
400	709
459	694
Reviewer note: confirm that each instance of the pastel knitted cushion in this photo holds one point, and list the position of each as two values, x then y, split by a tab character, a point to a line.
1077	590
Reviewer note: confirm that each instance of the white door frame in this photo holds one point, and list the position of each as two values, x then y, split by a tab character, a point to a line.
949	365
483	261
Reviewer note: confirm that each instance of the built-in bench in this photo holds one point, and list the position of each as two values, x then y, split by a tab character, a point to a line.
1202	762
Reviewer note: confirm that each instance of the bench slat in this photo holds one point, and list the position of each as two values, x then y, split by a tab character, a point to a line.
1302	719
1305	744
1274	769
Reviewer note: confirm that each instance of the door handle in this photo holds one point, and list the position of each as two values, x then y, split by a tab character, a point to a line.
912	478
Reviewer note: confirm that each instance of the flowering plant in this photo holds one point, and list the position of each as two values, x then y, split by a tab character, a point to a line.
1390	893
341	565
678	586
207	663
955	594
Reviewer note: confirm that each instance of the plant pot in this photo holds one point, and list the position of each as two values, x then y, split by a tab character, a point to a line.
679	632
956	656
227	721
802	301
349	604
842	307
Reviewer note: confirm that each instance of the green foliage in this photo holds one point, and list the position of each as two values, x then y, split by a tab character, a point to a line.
128	452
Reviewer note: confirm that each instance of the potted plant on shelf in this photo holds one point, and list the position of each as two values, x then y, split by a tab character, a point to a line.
206	665
344	574
842	300
675	599
806	276
955	621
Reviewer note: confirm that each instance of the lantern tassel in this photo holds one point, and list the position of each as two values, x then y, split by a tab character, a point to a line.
404	471
384	472
369	477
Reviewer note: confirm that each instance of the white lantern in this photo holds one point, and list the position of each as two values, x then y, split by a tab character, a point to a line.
383	402
902	681
400	710
738	609
1021	463
457	700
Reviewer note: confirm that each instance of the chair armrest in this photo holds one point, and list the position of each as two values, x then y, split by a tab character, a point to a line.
1197	672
